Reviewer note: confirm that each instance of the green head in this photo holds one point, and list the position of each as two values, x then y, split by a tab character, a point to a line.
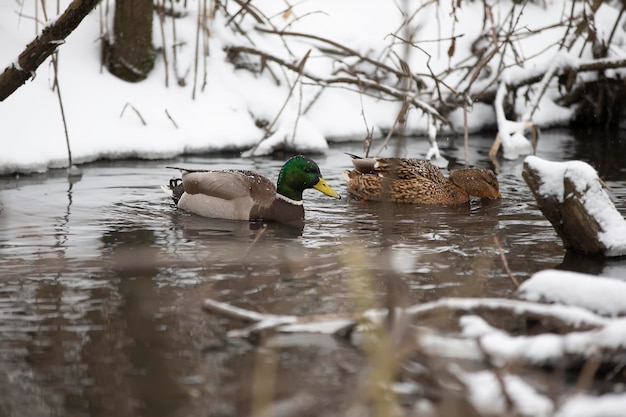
298	174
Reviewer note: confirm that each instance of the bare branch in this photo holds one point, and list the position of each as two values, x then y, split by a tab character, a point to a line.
44	45
368	84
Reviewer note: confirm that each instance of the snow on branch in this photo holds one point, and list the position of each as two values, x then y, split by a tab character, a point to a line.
601	295
491	355
511	132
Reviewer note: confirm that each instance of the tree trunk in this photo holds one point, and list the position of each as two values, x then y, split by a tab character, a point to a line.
130	54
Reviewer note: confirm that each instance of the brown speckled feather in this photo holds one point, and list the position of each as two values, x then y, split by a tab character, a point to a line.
405	168
417	181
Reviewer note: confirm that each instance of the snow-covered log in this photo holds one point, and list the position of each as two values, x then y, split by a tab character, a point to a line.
574	200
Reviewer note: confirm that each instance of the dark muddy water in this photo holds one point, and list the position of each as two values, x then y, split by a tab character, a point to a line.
101	281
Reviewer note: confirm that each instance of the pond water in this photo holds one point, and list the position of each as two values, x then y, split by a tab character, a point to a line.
102	280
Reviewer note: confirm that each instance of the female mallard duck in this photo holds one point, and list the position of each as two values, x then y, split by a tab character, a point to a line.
247	195
417	181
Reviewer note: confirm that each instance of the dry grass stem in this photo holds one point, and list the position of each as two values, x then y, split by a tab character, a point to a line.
257	238
505	264
588	372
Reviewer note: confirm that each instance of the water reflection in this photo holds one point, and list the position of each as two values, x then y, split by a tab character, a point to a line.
102	280
605	150
194	228
592	265
148	377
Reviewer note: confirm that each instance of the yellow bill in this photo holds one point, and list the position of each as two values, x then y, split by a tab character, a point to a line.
323	187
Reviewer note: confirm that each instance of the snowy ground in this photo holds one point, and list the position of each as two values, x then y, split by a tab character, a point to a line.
100	109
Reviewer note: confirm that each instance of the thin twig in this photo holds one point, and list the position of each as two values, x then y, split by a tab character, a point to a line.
268	129
498	373
344	48
588	372
400	119
298	114
232	312
258	237
57	87
617	20
369	133
366	84
161	14
174	44
245	6
136	112
313	100
465	134
207	15
196	51
171	119
505	263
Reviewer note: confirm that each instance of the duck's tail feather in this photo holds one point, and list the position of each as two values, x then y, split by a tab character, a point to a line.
174	189
362	164
184	170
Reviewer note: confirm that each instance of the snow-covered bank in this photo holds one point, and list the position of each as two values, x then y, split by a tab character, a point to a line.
103	112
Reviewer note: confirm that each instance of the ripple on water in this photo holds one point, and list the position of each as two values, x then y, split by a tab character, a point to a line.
102	280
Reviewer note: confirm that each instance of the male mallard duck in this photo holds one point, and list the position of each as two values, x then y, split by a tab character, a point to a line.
247	195
417	181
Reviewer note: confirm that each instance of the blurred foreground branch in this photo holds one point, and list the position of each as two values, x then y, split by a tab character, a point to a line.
479	345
